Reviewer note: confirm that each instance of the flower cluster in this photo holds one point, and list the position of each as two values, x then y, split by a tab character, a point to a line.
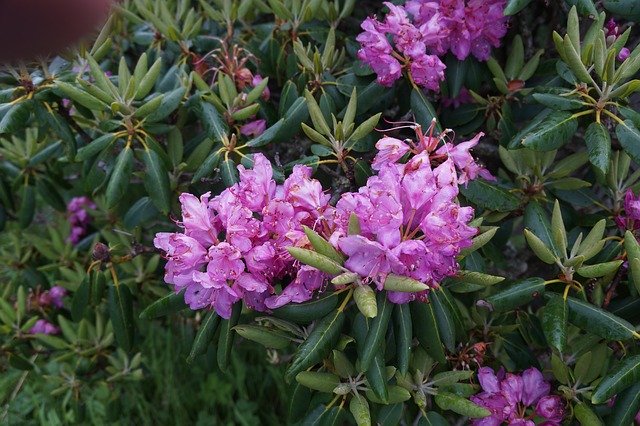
423	30
470	26
631	218
414	48
517	399
79	217
411	223
44	327
52	297
612	31
234	246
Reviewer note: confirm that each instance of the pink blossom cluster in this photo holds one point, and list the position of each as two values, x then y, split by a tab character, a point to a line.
517	400
414	48
423	30
79	217
52	297
235	246
630	219
44	327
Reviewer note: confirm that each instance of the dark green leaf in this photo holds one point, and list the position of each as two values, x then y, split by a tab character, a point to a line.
599	146
553	132
319	343
422	110
598	321
377	331
229	173
517	294
214	125
619	378
169	304
490	196
81	298
205	335
95	147
403	332
515	6
629	137
227	336
457	404
554	322
156	180
15	117
119	179
121	314
626	407
306	312
426	329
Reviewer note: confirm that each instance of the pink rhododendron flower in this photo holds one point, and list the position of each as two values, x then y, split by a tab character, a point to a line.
257	79
631	218
79	218
624	54
463	160
254	128
54	296
44	327
472	26
414	48
513	399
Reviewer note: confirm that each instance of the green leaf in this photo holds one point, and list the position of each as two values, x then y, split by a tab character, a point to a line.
362	130
119	179
214	125
462	406
359	408
444	321
624	374
268	135
323	382
599	322
365	299
426	329
229	173
585	415
16	117
403	332
628	136
322	246
557	102
81	97
423	110
490	196
208	166
554	323
156	180
264	336
227	336
558	231
204	336
316	260
170	102
299	398
120	305
433	419
599	146
307	312
318	345
599	270
553	132
515	6
27	206
626	407
169	304
537	221
515	60
377	331
403	284
517	294
81	298
98	145
456	73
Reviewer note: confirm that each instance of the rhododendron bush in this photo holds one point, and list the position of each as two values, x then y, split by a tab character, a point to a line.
325	212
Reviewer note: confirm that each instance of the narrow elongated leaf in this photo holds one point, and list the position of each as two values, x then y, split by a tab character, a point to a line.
377	331
304	313
423	110
403	332
403	284
120	305
95	147
81	298
457	404
598	321
169	304
626	407
322	246
229	173
365	299
515	6
536	220
204	336
208	166
628	136
552	133
318	261
517	294
265	337
323	382
557	102
156	180
227	336
426	329
489	196
119	179
16	116
444	321
554	323
318	345
619	378
599	146
585	415
299	398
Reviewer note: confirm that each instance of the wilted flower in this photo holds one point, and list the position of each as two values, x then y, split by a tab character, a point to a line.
44	327
515	399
